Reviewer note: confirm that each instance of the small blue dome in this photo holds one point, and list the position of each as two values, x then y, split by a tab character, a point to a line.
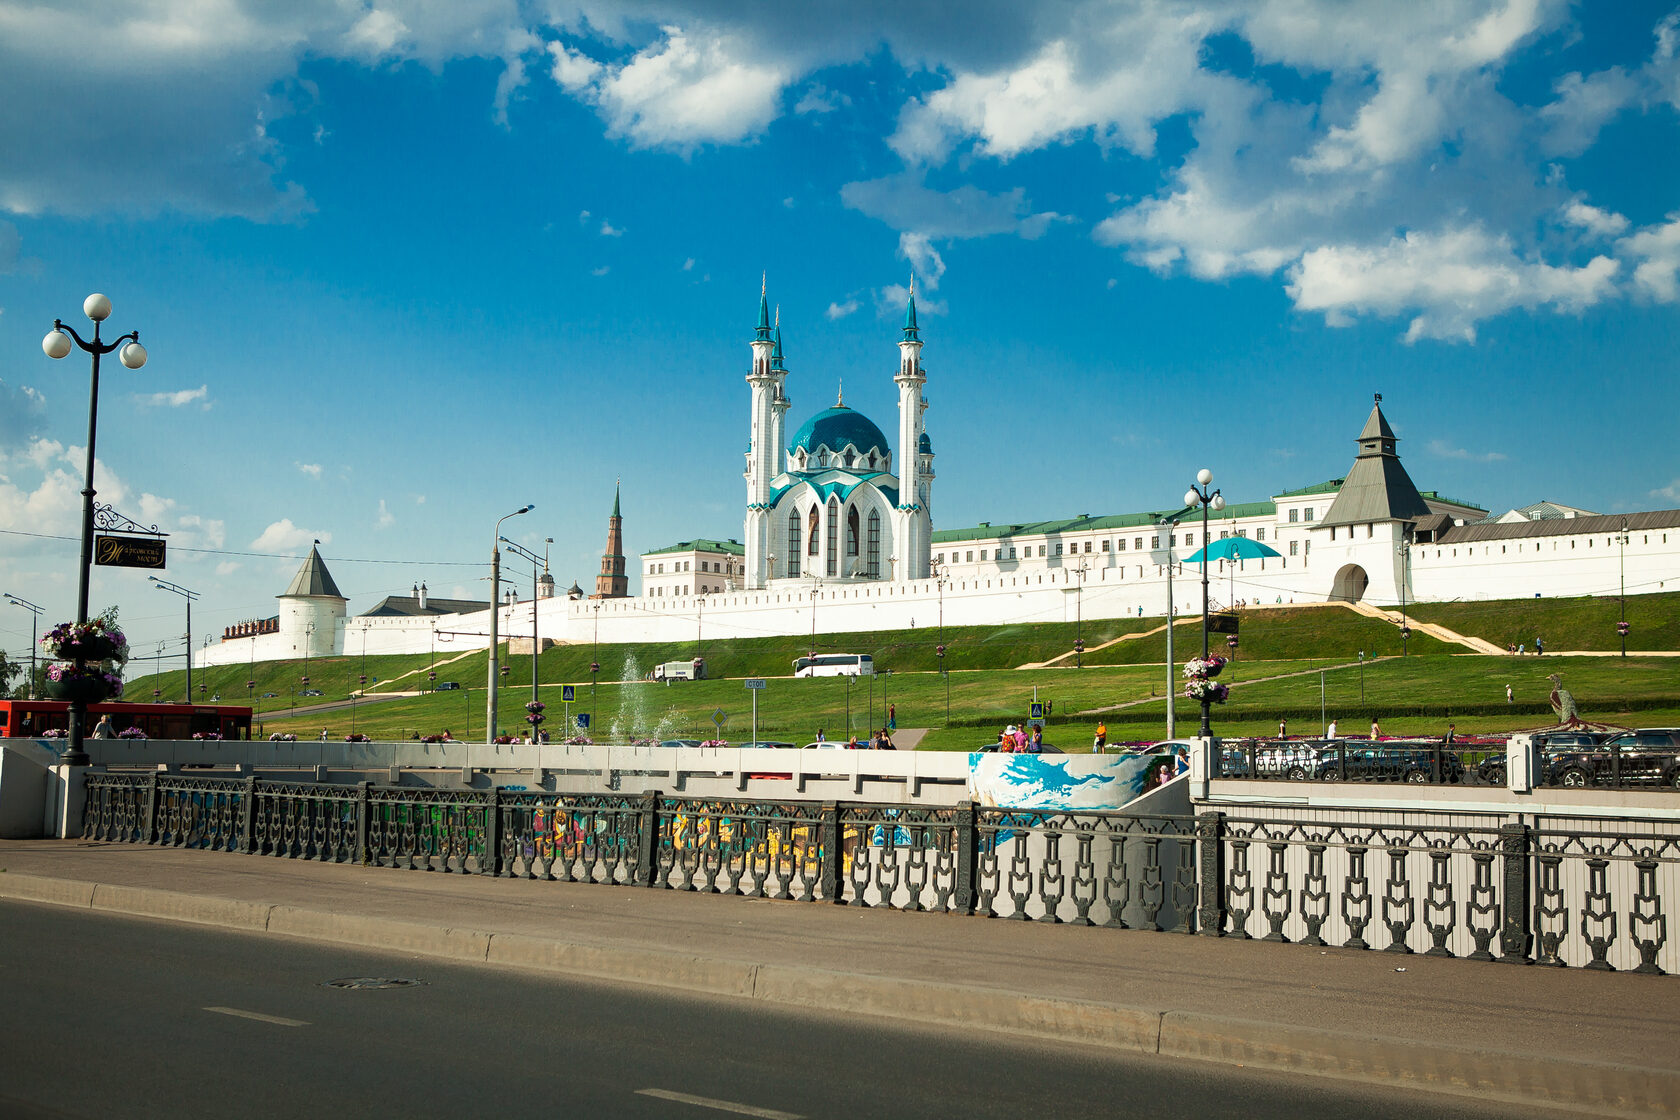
837	428
924	445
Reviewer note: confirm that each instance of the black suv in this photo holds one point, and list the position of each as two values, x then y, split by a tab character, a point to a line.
1646	757
1391	762
1550	747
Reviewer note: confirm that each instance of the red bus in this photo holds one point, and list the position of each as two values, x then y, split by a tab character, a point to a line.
31	719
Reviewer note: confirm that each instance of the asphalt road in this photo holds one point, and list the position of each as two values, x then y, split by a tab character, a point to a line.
116	1017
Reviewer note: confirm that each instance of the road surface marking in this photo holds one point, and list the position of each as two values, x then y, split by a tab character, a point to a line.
258	1016
721	1106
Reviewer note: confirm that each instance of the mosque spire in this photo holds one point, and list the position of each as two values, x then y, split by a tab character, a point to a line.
911	333
776	354
840	392
763	332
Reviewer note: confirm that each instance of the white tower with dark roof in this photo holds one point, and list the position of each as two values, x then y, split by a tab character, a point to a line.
311	609
913	516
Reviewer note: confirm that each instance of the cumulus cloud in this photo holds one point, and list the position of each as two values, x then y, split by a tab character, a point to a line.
1657	275
841	310
313	470
923	257
688	265
1462	276
1671	492
819	99
1599	223
41	493
601	271
176	399
386	518
685	90
610	230
283	536
1446	450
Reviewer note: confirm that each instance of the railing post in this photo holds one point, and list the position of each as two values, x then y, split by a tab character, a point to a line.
248	815
1515	933
647	841
968	855
833	864
364	814
492	834
1210	864
148	820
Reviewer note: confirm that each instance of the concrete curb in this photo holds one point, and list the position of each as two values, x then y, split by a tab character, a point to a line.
1549	1080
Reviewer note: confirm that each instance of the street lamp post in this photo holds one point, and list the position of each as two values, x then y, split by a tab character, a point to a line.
595	661
1079	616
1200	495
1169	525
535	644
941	577
35	625
1621	622
57	344
1405	551
308	640
189	596
495	593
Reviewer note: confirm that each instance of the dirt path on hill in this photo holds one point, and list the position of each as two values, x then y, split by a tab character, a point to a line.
1241	684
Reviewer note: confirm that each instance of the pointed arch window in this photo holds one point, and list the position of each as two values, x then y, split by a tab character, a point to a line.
833	551
852	533
874	558
811	535
793	543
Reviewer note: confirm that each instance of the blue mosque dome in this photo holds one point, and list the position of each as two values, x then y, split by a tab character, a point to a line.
837	428
924	445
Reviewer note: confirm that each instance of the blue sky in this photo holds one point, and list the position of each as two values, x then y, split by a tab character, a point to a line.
404	267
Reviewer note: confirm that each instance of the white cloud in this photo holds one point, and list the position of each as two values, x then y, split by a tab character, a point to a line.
1600	223
583	217
176	399
386	518
890	302
313	470
683	91
283	536
923	257
688	265
819	99
1446	451
610	230
1671	492
23	411
1657	275
228	567
601	271
1460	276
841	310
1583	105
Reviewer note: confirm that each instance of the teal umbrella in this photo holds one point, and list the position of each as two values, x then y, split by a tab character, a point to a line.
1232	548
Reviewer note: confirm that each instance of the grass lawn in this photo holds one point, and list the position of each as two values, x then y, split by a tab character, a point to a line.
1565	624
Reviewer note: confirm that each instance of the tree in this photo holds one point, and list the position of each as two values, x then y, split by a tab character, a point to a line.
8	670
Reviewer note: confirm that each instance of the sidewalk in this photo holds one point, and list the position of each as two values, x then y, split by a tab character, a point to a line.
1602	1043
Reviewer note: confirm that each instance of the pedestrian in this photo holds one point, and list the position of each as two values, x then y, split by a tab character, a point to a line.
103	729
821	738
1283	728
1522	648
1508	698
1006	741
1376	732
323	734
892	717
1452	733
1511	648
1036	744
1101	740
1331	734
1020	739
1539	645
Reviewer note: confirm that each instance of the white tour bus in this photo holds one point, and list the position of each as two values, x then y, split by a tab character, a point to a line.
835	665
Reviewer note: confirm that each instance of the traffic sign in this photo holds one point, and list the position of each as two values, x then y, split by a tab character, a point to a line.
720	717
1038	711
566	696
755	682
582	719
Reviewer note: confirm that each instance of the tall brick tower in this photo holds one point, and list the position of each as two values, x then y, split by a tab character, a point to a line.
612	583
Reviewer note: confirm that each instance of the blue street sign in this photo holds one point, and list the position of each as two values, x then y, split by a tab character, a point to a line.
566	696
1038	711
755	682
582	719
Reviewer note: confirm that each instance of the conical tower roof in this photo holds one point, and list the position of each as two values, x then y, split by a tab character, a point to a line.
1377	486
313	579
911	334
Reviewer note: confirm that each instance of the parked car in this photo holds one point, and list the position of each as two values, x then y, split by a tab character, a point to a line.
1400	762
1293	760
1492	769
270	695
449	686
1649	756
679	742
311	692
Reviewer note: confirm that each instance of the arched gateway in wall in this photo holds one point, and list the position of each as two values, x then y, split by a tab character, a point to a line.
1350	584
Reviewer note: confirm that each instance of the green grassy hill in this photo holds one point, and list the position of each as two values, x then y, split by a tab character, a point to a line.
1123	684
1565	624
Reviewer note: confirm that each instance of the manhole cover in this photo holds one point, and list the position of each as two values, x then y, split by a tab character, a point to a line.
364	983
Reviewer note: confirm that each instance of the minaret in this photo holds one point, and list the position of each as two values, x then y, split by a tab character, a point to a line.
762	457
612	583
912	521
780	403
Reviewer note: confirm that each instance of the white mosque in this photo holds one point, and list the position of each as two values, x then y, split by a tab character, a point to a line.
839	536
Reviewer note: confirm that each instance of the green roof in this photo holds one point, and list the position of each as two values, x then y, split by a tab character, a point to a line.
1439	497
1329	487
733	548
1096	524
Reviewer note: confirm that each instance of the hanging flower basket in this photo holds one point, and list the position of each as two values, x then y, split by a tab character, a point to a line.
535	710
90	684
1199	683
85	641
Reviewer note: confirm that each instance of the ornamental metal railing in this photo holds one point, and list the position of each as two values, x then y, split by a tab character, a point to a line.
1590	893
1652	764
